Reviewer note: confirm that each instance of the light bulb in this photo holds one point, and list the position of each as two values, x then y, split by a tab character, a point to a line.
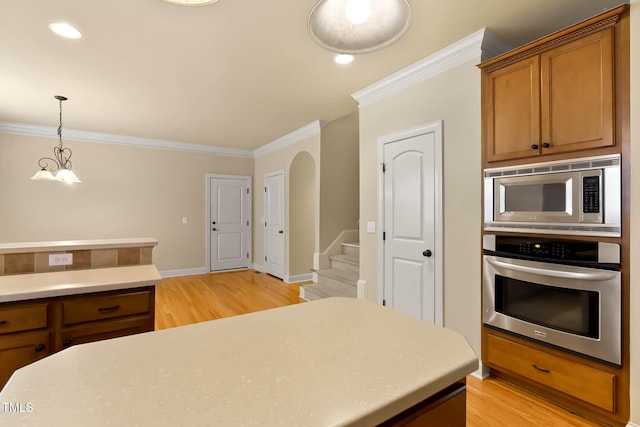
358	11
343	59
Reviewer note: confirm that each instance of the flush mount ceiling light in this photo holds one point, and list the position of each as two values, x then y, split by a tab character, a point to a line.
62	161
191	2
358	26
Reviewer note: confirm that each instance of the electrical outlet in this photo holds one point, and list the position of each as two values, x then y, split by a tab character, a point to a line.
184	219
60	259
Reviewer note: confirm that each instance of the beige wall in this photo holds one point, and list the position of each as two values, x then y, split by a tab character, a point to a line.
125	192
302	223
339	200
635	212
270	162
454	97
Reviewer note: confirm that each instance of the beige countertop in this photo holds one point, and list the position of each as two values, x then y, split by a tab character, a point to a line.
332	362
67	245
19	287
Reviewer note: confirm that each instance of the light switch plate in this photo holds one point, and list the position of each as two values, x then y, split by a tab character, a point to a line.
60	259
371	227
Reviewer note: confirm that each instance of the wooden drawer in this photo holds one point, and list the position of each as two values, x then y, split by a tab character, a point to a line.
23	317
580	381
92	308
81	334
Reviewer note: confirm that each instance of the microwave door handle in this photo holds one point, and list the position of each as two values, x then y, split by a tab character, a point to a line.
596	275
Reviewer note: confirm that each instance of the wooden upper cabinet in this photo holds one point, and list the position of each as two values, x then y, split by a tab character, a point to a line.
553	96
512	97
577	94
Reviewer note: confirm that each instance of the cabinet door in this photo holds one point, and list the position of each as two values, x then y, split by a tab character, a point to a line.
18	350
512	106
577	94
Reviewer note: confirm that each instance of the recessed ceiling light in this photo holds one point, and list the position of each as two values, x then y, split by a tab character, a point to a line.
191	2
65	30
343	59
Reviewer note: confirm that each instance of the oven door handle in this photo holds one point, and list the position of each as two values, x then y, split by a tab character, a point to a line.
595	275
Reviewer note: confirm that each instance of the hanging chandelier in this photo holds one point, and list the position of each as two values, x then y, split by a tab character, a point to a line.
358	26
60	163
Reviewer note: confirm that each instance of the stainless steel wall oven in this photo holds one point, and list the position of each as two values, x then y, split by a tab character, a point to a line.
565	293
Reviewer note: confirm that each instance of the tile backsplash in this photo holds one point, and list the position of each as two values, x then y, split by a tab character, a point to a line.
38	262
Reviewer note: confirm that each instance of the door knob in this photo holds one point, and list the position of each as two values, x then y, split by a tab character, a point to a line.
426	253
214	223
214	229
280	231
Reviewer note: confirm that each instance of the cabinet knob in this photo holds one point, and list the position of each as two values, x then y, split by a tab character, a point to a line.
66	343
546	145
2	322
427	253
534	146
39	347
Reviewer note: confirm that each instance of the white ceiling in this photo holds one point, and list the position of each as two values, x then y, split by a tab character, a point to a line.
236	74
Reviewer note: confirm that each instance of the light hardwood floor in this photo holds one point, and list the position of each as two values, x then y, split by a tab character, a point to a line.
191	299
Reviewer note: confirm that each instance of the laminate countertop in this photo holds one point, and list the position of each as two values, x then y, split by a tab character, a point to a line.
21	287
332	362
68	245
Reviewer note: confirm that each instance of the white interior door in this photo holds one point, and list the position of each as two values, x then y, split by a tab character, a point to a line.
274	224
412	248
229	221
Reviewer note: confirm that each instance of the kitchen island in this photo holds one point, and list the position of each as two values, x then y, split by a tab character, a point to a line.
337	361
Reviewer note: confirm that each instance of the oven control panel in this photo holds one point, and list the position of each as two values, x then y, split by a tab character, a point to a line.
576	252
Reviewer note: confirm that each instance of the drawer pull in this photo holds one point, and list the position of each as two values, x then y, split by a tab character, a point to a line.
105	310
39	347
3	322
546	371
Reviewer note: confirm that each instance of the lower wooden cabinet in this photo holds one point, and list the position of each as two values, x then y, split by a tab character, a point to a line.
589	388
447	408
18	350
583	382
31	330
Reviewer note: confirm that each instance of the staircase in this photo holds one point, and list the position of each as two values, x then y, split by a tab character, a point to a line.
340	280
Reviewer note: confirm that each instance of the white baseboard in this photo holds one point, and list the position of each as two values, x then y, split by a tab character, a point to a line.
361	289
259	268
482	373
630	424
184	272
298	278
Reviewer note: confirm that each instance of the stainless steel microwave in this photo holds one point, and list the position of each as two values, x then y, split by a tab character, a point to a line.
578	196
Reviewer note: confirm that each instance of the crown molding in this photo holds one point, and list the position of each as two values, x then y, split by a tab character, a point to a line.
467	49
304	132
107	138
